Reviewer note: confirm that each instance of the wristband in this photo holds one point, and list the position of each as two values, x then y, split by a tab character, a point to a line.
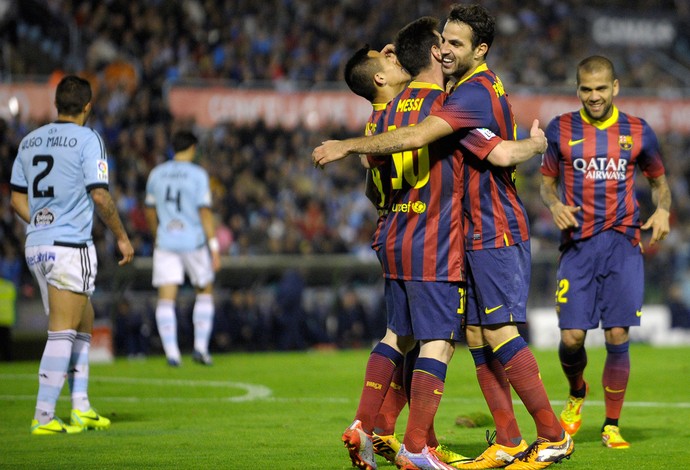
213	244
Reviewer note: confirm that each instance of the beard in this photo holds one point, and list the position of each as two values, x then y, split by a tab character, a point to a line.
601	114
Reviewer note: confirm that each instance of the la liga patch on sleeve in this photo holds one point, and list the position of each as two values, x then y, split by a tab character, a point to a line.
487	133
102	170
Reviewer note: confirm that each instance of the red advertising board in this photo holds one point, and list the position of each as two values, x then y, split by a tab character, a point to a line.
208	106
28	101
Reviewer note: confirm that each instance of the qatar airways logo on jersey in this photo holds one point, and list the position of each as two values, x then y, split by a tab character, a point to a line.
418	207
601	168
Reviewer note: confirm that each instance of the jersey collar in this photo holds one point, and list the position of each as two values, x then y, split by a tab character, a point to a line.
481	68
379	106
601	125
417	84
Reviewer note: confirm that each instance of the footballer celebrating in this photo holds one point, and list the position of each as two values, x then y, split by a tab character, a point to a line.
588	184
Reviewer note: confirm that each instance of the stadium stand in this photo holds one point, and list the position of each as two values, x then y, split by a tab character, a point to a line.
270	200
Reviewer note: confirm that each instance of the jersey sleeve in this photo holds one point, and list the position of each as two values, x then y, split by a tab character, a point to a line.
204	189
549	162
468	107
95	163
650	161
150	198
18	181
480	142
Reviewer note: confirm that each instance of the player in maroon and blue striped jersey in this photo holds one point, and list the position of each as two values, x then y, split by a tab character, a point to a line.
588	183
420	244
377	77
420	248
498	250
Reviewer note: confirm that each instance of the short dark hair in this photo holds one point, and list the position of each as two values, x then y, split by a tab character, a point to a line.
359	72
479	19
413	43
72	95
182	140
595	63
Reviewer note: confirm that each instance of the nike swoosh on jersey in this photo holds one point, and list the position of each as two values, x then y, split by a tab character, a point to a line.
610	390
488	310
575	142
438	392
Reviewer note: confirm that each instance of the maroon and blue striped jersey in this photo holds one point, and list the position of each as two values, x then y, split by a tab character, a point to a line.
378	182
494	215
595	163
421	239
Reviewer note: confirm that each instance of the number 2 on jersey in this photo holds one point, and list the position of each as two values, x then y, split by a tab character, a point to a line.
563	288
48	160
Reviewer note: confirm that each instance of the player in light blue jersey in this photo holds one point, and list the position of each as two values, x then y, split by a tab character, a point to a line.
178	210
60	176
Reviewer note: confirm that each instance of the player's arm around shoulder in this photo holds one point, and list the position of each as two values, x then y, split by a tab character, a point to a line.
107	211
404	138
513	152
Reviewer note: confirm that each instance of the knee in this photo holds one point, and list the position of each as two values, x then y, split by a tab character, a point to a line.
616	335
573	340
474	336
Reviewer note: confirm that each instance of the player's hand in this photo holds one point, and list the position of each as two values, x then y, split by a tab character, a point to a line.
328	151
127	251
538	136
388	50
563	216
659	224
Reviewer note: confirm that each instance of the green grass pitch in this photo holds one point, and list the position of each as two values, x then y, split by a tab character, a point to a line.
288	410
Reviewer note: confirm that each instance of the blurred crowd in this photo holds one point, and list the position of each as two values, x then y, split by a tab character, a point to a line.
268	197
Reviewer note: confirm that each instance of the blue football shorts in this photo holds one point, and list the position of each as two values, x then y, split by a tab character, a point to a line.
498	284
600	279
425	310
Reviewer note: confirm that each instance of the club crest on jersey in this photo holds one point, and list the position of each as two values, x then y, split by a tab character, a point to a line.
102	170
625	142
175	225
43	217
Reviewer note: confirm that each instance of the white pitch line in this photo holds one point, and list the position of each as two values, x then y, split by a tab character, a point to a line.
634	404
254	392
